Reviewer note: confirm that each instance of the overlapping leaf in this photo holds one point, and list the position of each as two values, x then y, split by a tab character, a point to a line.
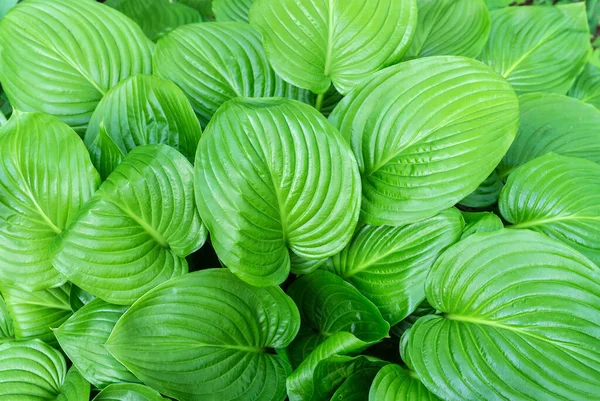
7	332
137	229
418	131
219	330
486	194
393	383
272	174
232	10
128	392
481	222
204	7
587	85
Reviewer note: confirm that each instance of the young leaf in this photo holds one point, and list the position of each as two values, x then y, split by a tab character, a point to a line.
35	314
450	28
7	332
393	383
82	48
82	338
273	173
419	131
219	330
558	196
232	10
137	229
128	392
538	49
481	222
587	85
486	194
74	388
521	319
213	63
45	178
314	43
388	265
140	110
553	123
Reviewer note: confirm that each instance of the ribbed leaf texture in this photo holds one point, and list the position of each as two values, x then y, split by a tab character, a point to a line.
232	10
7	332
587	85
394	383
128	392
486	194
481	222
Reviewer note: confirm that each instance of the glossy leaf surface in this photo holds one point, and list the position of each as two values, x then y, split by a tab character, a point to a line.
7	332
128	392
481	222
394	383
232	10
587	85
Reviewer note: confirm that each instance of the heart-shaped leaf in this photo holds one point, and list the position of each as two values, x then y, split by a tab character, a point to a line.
558	196
273	173
128	392
393	383
418	131
7	332
232	10
539	49
45	178
587	85
219	330
141	110
388	265
82	48
213	63
480	223
314	43
520	320
137	229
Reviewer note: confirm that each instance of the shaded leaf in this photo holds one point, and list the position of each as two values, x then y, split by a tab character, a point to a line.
486	194
587	85
232	10
128	392
7	332
481	222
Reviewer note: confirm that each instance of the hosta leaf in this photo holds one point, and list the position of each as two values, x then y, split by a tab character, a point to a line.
82	338
128	392
418	131
558	196
45	178
329	305
481	222
553	123
7	332
538	49
486	194
136	230
156	17
356	387
450	28
35	314
401	328
74	388
273	173
521	321
204	7
82	48
315	43
388	265
219	329
5	7
299	265
393	383
232	10
587	85
141	110
213	63
78	298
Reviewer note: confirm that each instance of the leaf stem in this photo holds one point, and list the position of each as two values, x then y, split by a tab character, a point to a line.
319	101
3	119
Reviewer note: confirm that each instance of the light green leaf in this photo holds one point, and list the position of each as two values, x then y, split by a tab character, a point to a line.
388	265
587	85
521	321
35	314
204	7
82	48
558	196
219	330
78	298
7	332
5	7
232	10
393	383
213	63
486	194
82	338
128	392
481	222
450	28
74	388
272	174
418	131
45	178
156	17
538	49
141	110
553	123
314	43
136	230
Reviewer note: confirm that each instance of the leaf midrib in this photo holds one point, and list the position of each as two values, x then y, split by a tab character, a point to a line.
158	237
533	223
329	52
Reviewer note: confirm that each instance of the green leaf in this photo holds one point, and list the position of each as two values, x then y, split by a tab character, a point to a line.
315	43
450	28
273	173
136	230
481	222
141	110
156	17
82	338
393	383
82	48
7	332
418	131
538	49
219	330
388	265
35	314
5	7
232	10
401	328
299	265
553	123
587	85
558	196
356	387
486	194
78	298
45	178
204	7
213	63
128	392
520	321
34	371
